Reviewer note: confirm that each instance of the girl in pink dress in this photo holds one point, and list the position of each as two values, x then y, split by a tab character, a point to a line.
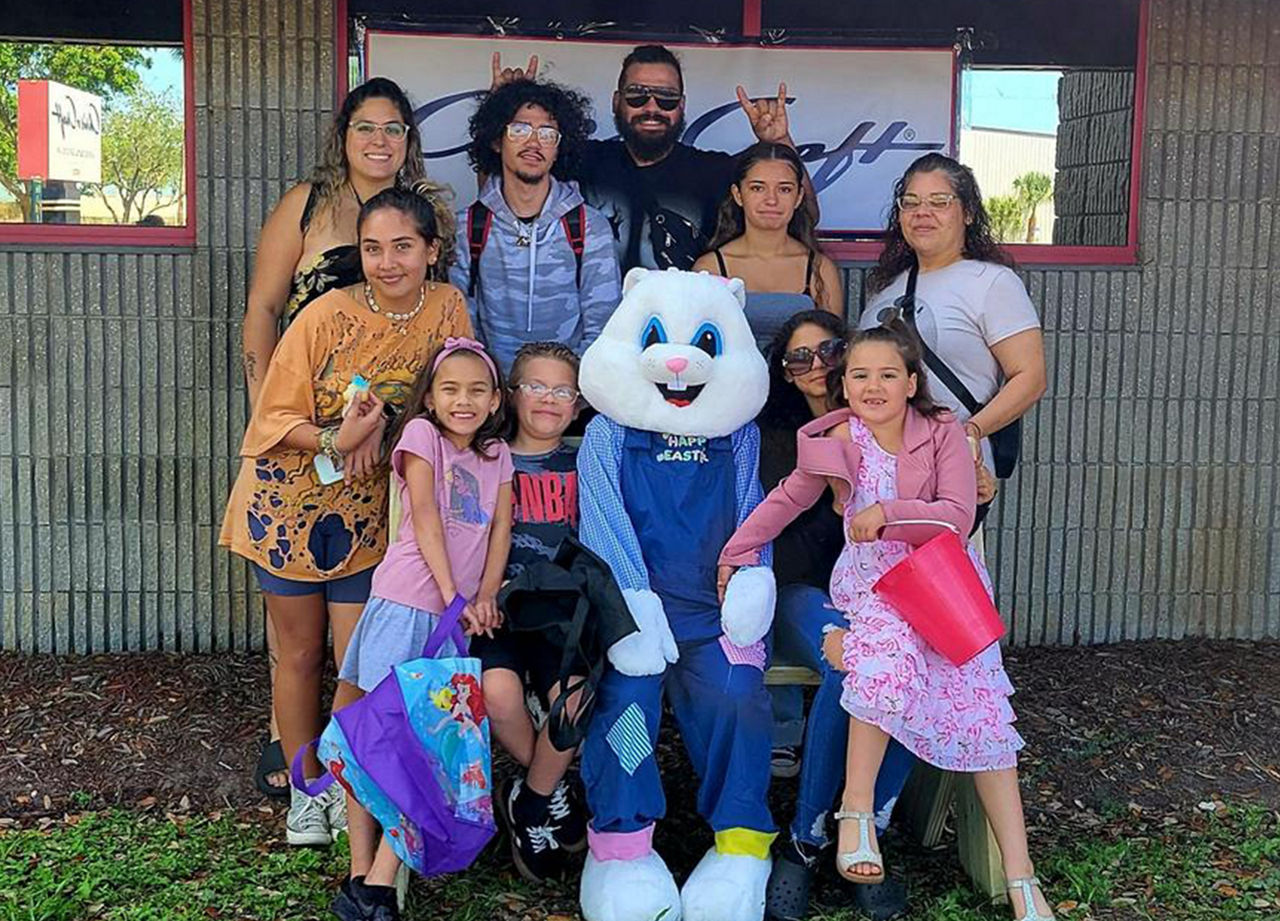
894	458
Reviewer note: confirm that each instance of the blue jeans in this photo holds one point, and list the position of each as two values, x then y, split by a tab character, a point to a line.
801	613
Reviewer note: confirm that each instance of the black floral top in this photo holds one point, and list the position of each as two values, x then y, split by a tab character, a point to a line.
336	267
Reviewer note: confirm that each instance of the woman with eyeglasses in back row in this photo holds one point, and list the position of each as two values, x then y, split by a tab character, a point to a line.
967	306
308	246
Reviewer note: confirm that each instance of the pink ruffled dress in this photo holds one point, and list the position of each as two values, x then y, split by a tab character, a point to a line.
957	718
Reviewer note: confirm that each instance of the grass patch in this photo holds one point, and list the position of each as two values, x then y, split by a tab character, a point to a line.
121	866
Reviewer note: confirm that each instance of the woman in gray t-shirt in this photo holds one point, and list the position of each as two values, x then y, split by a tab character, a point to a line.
971	308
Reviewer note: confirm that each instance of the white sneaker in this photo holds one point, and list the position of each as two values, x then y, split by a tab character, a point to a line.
335	809
307	824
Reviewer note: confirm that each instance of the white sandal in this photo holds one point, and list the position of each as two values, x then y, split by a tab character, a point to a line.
847	860
1026	884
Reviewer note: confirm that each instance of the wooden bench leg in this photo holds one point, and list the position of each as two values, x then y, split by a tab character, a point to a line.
979	852
925	804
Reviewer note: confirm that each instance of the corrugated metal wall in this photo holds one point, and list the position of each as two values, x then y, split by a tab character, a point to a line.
1146	505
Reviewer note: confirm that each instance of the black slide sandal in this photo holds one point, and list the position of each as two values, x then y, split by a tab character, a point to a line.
271	761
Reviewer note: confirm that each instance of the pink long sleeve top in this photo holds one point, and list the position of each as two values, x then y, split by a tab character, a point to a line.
935	480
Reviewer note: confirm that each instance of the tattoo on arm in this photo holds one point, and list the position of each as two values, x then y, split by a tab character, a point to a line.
251	366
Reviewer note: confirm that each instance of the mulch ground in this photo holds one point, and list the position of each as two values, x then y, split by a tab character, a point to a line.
1144	733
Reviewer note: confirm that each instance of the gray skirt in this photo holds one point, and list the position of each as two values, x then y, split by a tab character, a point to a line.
388	634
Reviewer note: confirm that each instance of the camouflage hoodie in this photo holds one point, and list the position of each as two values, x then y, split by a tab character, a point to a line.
526	290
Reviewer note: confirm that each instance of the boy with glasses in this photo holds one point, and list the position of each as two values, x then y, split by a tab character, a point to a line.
542	811
534	261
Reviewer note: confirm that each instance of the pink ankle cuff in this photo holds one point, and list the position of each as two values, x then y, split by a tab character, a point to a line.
620	845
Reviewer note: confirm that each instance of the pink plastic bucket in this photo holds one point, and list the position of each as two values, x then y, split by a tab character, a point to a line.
938	592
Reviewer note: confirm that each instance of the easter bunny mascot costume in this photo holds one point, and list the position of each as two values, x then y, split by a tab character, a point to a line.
666	473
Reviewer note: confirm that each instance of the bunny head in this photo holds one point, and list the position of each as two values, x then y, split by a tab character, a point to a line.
677	356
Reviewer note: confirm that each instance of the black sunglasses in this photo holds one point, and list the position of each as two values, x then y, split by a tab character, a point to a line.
638	97
800	360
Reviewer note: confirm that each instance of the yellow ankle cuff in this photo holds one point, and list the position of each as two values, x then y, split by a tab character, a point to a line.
744	842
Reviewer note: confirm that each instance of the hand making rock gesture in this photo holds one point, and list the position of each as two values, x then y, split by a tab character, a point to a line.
504	75
768	117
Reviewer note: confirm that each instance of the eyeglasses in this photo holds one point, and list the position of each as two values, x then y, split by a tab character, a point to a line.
638	96
521	131
800	360
536	390
936	201
395	131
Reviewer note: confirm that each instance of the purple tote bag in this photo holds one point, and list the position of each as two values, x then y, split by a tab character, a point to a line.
414	752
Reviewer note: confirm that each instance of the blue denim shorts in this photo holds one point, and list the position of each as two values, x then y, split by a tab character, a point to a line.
352	589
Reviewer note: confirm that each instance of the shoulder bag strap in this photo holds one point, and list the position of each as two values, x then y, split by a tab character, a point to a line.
907	304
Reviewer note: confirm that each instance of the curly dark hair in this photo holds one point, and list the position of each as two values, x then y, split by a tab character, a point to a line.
731	220
896	333
897	256
786	407
570	109
490	431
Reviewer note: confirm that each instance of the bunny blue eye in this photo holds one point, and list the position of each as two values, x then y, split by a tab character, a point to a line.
709	339
654	333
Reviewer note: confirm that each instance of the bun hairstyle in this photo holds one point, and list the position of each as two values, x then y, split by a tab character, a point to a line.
429	212
903	338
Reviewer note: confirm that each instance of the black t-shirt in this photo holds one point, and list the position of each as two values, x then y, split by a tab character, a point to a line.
806	551
664	214
544	495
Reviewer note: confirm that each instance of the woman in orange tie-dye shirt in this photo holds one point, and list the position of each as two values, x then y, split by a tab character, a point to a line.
341	369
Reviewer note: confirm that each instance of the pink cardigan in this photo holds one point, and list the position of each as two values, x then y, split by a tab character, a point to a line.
935	479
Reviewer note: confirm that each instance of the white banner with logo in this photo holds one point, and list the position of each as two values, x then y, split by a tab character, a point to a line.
858	116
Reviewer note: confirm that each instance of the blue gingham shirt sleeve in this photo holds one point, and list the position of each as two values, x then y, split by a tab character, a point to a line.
746	469
603	523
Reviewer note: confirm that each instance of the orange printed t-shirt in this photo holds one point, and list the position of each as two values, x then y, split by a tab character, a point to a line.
278	500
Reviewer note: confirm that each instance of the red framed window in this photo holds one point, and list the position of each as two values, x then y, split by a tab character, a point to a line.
97	124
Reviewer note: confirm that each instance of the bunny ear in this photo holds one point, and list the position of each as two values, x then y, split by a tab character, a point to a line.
634	276
739	289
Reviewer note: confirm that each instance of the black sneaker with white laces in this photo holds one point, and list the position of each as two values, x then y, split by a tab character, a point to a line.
535	850
567	810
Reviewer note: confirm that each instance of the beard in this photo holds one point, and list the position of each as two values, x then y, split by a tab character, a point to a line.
648	147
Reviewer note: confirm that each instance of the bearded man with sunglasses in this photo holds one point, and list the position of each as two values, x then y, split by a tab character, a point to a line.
535	262
659	194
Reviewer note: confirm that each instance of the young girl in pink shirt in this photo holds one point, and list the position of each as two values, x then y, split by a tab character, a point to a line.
453	473
893	458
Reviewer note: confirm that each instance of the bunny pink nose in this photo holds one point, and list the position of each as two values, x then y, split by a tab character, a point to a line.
677	365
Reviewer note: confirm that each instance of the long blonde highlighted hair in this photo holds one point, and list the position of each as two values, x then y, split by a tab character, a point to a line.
331	175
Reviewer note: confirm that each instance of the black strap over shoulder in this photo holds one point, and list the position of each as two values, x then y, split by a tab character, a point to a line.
907	304
808	274
479	221
724	269
304	222
1006	443
575	229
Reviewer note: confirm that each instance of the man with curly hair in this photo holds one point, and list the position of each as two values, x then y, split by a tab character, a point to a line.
536	263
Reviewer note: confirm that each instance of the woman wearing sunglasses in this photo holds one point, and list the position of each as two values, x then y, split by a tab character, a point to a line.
804	350
968	307
308	246
766	238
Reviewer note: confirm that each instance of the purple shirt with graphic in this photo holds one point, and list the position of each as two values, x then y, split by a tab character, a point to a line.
466	494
